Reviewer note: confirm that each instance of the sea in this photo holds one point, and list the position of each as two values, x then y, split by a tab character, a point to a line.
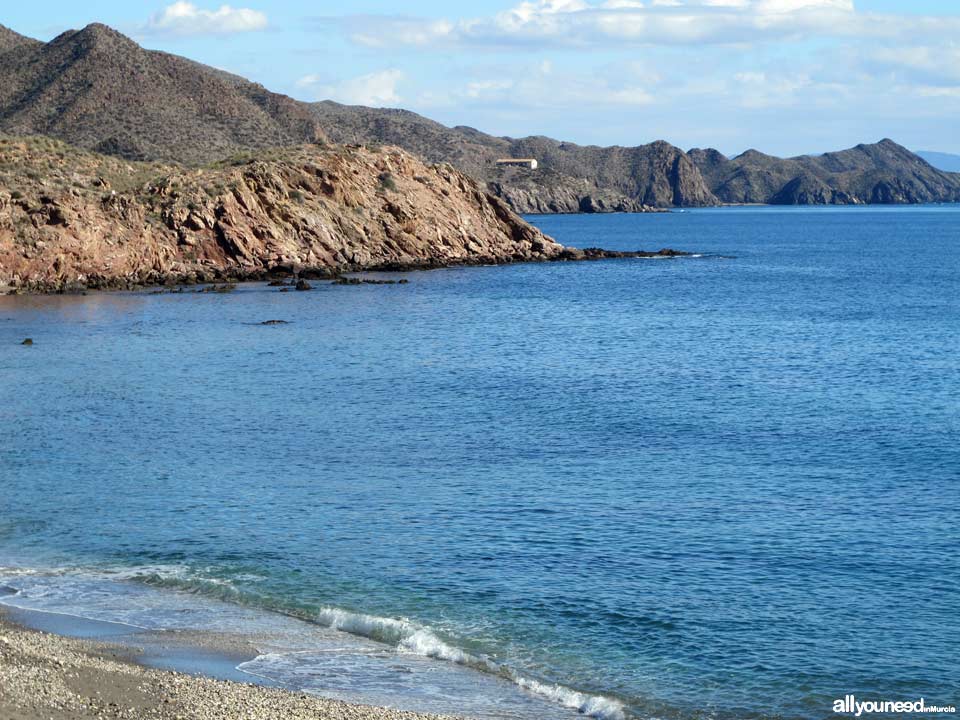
718	486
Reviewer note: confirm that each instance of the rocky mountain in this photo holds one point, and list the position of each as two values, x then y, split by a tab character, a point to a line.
99	90
884	172
70	218
10	40
573	178
570	177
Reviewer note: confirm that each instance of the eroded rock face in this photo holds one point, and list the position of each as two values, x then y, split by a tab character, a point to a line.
529	198
69	218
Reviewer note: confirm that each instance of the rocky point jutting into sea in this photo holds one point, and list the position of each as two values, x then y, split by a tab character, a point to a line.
72	219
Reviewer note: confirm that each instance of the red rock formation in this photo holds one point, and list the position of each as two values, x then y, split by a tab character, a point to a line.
70	218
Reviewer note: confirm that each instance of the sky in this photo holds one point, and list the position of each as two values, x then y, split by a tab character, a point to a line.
787	77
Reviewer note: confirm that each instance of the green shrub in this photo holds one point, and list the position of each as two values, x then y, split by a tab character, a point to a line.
387	182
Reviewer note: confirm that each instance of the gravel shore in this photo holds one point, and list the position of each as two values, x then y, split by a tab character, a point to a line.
49	677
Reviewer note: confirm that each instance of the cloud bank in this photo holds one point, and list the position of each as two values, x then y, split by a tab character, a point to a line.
593	24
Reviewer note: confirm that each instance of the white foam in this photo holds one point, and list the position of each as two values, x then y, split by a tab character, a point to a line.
386	630
409	637
403	634
595	706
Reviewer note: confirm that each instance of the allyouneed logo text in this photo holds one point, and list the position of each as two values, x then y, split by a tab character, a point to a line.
849	705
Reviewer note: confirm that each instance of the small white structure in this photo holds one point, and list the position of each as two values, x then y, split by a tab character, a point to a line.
523	162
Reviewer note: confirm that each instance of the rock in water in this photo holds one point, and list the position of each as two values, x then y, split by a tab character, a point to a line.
28	341
303	285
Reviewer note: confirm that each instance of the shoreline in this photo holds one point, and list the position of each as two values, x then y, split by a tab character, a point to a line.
109	670
340	655
291	275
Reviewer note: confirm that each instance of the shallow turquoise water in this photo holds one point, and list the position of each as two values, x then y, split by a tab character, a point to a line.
721	486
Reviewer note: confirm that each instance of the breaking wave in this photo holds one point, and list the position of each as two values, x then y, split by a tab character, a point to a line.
410	637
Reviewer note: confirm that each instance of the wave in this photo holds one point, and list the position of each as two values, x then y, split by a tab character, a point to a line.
407	636
596	706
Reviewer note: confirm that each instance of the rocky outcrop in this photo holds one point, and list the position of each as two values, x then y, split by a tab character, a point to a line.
70	219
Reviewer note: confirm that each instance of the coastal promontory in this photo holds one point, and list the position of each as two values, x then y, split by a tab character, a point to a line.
71	218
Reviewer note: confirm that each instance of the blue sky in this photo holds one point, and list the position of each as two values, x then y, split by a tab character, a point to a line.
784	76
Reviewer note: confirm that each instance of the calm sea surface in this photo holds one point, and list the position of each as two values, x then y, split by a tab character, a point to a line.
725	486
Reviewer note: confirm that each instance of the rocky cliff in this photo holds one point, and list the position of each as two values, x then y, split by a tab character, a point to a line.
547	191
71	218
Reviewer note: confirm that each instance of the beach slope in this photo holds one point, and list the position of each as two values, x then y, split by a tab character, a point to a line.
49	677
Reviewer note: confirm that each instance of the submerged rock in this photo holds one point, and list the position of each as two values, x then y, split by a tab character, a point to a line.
368	281
227	288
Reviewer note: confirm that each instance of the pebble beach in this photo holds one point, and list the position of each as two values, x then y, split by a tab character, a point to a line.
49	677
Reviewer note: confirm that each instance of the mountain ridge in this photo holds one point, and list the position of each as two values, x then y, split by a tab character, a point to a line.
878	173
97	89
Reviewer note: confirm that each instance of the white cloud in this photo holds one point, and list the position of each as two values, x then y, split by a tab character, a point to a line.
597	23
185	18
536	86
377	89
918	63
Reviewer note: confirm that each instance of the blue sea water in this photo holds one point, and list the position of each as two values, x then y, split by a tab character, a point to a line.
723	486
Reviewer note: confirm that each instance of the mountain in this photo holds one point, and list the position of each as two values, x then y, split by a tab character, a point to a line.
10	40
941	161
573	178
884	172
570	177
99	90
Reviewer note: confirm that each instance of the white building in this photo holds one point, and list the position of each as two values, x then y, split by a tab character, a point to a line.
524	162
